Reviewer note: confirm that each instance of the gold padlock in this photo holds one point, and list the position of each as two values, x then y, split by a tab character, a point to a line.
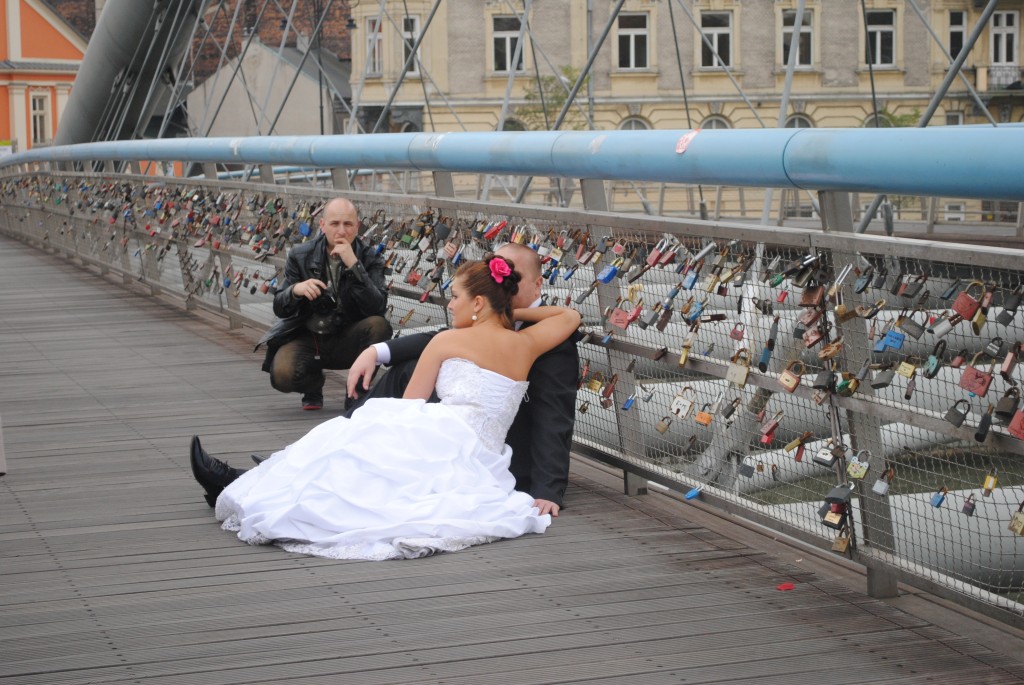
841	544
790	378
906	369
596	382
663	425
684	354
991	481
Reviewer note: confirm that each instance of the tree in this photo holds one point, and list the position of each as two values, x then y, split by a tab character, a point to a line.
546	98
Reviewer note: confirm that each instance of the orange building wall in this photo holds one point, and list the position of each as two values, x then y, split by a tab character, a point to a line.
4	54
5	114
40	40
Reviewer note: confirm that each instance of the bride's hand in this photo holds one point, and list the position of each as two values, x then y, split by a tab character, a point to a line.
546	507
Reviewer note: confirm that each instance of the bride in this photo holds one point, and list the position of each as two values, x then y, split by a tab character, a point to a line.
403	478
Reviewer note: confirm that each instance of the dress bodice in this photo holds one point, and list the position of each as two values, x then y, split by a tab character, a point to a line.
486	400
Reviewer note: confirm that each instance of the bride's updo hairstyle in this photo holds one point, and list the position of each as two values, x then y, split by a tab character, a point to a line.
494	278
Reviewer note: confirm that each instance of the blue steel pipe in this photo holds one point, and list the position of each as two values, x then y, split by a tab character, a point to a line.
954	161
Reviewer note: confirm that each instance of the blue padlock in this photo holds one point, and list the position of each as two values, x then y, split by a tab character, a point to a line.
554	276
304	228
939	497
880	345
630	401
570	272
894	339
690	279
227	281
695	312
762	362
609	271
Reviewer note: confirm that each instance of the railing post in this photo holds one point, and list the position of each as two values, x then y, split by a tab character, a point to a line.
595	199
444	185
267	174
3	457
865	429
339	177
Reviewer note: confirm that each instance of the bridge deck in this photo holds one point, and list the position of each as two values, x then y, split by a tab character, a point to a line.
114	570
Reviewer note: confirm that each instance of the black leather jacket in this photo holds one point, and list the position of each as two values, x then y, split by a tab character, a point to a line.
362	290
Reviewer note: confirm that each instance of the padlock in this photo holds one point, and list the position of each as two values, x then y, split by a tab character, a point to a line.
881	486
847	386
823	380
596	382
942	326
965	305
704	416
663	425
823	456
681	404
958	360
990	484
1017	521
870	311
739	368
939	497
1009	363
789	379
934	362
911	327
584	407
884	377
858	468
957	416
864	279
684	354
908	392
1008	404
994	348
969	506
893	340
609	387
731	408
746	470
975	381
737	331
906	368
842	542
1010	305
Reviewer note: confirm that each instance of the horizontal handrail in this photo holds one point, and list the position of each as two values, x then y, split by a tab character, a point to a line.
965	162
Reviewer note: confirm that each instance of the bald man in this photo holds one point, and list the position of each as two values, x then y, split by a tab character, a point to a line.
541	435
330	306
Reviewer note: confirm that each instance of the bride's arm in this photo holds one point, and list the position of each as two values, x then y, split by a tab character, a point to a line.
552	326
424	377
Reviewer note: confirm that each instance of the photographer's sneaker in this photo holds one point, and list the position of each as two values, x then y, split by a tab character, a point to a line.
312	401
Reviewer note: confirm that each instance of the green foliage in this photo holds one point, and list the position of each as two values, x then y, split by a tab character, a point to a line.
555	90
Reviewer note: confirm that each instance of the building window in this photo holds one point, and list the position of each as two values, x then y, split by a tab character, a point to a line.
954	118
881	45
374	48
410	34
799	121
717	28
1001	210
803	43
634	124
40	118
506	35
715	122
1004	69
957	32
633	41
954	212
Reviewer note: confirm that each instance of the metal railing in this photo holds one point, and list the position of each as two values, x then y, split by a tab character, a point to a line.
690	338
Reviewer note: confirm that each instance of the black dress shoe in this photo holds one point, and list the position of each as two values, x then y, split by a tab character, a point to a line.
213	474
258	458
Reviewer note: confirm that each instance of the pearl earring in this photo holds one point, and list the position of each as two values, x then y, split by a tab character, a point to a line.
474	317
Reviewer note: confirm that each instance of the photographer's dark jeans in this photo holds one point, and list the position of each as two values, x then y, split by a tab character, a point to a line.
296	369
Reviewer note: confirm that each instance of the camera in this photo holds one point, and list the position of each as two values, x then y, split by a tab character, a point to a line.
324	319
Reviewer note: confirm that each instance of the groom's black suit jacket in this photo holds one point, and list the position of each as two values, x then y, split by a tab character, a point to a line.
541	434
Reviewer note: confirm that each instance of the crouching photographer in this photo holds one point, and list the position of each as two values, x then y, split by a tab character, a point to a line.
330	306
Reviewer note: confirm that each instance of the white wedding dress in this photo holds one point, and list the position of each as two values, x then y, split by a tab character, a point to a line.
400	479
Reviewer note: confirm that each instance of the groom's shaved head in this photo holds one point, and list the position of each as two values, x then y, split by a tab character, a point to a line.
527	261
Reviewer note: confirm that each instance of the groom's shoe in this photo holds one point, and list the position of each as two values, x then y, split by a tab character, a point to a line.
213	474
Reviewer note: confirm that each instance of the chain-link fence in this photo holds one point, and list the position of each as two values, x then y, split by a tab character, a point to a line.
858	392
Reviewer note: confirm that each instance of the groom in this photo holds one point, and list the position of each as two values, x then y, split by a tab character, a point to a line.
541	435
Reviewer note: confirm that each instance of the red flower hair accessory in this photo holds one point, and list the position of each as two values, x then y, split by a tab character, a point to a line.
499	269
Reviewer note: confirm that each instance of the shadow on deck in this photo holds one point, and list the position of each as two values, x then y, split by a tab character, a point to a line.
114	569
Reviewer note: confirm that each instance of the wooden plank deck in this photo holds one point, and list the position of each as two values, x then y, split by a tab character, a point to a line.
114	570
